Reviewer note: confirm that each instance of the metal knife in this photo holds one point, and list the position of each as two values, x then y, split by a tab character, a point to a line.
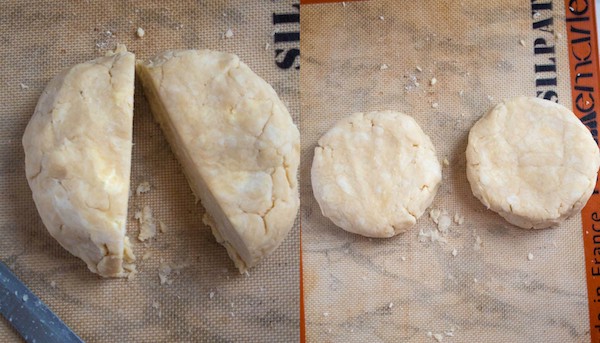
28	314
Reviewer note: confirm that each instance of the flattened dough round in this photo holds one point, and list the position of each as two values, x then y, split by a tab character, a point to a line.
532	161
375	173
78	160
237	143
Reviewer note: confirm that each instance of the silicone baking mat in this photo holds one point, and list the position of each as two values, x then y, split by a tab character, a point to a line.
445	63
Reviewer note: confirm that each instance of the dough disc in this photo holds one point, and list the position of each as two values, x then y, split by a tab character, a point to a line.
532	161
375	173
237	143
78	160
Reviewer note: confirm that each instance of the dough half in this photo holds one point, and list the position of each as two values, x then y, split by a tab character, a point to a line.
237	143
78	160
375	173
532	161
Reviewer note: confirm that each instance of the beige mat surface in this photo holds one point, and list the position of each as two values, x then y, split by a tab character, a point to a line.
380	55
208	300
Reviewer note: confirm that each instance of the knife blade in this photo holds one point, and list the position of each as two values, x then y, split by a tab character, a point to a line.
28	314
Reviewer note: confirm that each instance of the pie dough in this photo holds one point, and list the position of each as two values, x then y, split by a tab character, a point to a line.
375	173
532	161
78	160
237	143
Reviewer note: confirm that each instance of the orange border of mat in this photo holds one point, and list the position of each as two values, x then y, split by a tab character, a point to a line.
583	49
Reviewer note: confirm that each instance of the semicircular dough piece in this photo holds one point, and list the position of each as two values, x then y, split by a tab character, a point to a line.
375	173
532	161
237	143
78	160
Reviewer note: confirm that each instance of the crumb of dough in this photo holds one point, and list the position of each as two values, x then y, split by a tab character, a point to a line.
267	46
411	83
477	244
146	255
435	105
325	314
164	270
438	337
143	187
429	334
444	223
433	236
25	297
434	214
449	333
403	258
458	219
24	86
52	284
433	81
211	295
454	252
381	17
383	67
228	33
147	224
140	32
530	257
129	267
419	69
162	226
445	162
522	42
155	304
390	305
132	275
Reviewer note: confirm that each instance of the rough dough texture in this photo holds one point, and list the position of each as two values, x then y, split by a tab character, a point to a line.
532	161
78	160
237	143
375	173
